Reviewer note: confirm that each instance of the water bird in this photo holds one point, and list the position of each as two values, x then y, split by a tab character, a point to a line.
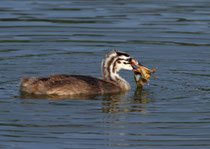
65	85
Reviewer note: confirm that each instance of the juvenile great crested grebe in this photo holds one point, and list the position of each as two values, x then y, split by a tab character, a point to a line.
79	84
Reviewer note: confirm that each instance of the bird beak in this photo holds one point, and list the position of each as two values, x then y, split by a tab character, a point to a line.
135	65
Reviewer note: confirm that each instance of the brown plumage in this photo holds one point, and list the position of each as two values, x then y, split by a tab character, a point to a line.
67	85
79	84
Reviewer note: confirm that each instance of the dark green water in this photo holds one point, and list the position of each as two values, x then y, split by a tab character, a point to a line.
39	38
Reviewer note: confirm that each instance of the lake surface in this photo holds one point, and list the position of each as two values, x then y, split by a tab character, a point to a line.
39	38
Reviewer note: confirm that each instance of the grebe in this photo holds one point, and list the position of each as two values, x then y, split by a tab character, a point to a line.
65	85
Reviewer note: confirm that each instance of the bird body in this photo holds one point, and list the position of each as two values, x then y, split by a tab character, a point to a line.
79	84
68	85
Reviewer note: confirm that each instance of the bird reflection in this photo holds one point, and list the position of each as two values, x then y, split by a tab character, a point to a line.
141	95
119	104
111	103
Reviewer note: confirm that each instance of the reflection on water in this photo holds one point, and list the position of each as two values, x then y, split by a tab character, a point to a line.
112	103
141	95
40	38
118	104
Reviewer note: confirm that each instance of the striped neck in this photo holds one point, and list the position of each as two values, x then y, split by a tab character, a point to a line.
110	72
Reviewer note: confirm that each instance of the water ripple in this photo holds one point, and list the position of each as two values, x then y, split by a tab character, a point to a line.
39	38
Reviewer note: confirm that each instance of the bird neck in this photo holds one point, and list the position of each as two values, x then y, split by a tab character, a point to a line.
110	74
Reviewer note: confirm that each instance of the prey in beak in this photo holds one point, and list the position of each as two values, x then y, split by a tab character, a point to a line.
142	73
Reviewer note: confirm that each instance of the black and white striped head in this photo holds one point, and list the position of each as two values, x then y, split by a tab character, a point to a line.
115	61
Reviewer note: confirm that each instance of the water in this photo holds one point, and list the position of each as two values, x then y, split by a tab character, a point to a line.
39	38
